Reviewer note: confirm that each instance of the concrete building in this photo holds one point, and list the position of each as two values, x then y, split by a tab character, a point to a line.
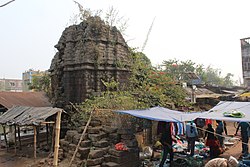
27	79
245	56
11	85
19	85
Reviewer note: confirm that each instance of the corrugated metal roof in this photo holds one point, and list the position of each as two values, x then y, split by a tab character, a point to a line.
21	115
199	91
33	99
205	93
246	94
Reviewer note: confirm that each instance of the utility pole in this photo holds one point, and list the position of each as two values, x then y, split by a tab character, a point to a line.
193	95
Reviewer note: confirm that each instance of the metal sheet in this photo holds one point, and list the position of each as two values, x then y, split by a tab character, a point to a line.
21	115
33	99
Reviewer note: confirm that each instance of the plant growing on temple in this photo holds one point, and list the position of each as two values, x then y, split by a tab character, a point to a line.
109	99
111	17
153	86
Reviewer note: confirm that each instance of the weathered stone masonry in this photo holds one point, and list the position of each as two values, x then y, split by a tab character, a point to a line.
88	53
97	148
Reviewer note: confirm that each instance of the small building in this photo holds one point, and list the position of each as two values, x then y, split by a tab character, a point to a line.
11	85
29	111
27	77
245	57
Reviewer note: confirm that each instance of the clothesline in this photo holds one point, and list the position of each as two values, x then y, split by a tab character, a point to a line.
216	133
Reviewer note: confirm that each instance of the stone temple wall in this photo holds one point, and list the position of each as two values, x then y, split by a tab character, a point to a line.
88	53
97	149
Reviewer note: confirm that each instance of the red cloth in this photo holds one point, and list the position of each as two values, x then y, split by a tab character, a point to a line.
211	143
172	128
209	121
121	146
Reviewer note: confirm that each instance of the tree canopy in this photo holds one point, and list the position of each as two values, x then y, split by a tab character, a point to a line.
212	76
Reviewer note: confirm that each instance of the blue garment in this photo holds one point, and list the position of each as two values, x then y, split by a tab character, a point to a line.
191	134
220	127
244	126
191	130
219	130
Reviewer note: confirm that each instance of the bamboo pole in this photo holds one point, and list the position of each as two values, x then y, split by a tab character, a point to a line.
47	135
57	138
15	137
5	137
19	138
38	136
47	122
78	145
53	137
34	127
0	140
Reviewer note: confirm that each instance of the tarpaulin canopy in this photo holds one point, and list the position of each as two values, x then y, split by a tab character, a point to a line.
163	114
217	112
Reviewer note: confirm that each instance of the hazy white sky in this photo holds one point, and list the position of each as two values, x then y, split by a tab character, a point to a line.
206	32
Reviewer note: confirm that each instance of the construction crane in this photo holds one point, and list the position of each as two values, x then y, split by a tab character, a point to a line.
146	40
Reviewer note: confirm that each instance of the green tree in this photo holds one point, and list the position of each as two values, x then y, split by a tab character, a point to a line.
41	82
212	76
152	86
228	81
178	70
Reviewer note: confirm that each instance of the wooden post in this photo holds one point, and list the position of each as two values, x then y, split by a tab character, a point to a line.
19	138
79	142
34	127
15	137
53	137
38	136
57	138
47	135
5	137
0	140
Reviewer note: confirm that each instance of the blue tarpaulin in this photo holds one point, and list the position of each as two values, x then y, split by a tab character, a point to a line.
217	112
163	114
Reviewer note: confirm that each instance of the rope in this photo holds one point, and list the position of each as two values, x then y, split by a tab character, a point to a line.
216	133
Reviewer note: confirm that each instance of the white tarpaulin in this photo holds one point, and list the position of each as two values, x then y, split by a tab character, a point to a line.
217	112
163	114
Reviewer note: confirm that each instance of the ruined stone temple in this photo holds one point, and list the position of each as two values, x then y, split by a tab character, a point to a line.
88	53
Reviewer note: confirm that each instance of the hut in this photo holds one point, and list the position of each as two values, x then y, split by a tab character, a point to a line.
20	116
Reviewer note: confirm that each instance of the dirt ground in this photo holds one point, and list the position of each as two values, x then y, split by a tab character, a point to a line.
25	158
235	150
